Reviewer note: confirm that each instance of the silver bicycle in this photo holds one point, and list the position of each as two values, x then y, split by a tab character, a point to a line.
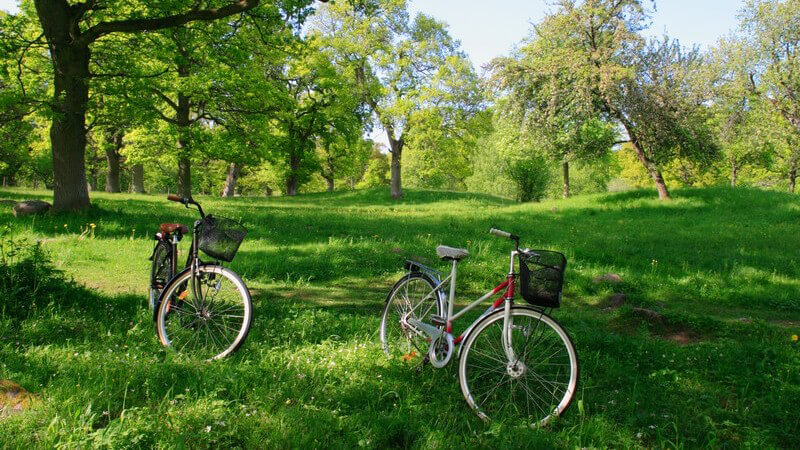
515	362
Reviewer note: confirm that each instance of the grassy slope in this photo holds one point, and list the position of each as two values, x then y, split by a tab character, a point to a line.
719	264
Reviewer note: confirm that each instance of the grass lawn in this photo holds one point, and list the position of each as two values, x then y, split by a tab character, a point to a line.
720	369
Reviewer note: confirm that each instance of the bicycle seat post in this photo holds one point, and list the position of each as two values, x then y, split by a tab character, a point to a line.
452	298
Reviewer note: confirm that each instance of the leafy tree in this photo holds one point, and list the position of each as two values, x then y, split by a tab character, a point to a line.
71	32
538	88
402	65
377	172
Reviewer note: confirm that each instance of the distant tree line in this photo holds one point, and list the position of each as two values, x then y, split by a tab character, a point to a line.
262	98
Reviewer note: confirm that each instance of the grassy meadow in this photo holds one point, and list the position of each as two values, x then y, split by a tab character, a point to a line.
719	369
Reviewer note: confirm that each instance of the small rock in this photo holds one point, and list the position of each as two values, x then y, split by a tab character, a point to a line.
649	315
13	398
745	320
608	278
615	300
30	207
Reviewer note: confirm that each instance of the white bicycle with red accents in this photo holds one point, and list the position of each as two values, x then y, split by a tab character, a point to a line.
515	362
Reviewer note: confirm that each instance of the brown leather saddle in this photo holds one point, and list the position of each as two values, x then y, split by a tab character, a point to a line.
169	228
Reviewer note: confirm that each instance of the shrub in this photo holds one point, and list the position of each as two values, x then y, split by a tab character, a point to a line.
530	176
28	279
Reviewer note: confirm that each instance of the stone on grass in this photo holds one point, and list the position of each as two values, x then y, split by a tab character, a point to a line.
649	315
13	398
608	278
615	300
29	207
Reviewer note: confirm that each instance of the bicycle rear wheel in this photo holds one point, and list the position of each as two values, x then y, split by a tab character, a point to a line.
408	299
536	385
210	321
160	271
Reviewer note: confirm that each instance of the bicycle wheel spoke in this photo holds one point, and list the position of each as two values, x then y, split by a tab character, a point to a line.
541	376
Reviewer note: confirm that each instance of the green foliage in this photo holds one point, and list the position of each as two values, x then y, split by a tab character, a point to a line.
530	177
28	279
377	171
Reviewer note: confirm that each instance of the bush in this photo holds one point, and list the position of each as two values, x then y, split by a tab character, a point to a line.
530	176
28	279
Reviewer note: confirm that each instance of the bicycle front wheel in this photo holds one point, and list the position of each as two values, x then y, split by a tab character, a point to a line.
530	375
209	321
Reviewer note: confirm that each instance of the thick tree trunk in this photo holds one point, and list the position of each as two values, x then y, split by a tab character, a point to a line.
734	173
267	191
330	181
70	60
230	181
113	147
137	179
184	147
565	170
291	180
352	182
397	154
185	177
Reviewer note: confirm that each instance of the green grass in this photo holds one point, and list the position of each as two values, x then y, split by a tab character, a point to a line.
719	264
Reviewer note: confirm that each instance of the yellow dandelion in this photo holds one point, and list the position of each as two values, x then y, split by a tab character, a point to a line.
92	225
65	225
794	338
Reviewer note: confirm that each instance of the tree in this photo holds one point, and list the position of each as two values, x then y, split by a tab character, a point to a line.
71	31
538	88
397	62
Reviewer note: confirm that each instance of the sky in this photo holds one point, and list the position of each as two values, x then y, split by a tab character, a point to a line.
491	28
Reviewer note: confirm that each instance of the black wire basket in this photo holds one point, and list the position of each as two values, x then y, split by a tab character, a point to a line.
220	237
542	278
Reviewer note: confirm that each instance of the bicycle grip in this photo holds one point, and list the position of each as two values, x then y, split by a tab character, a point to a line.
176	198
500	233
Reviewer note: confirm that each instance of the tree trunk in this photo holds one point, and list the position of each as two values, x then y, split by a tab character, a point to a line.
35	182
137	179
793	178
734	173
184	147
230	181
267	191
397	154
649	164
352	181
113	147
330	183
565	169
70	60
291	180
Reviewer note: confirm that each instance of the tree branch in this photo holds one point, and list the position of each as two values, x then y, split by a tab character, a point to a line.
158	23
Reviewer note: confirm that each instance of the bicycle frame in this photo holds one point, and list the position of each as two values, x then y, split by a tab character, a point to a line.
505	298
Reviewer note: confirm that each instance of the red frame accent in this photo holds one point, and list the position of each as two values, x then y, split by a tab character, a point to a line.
509	293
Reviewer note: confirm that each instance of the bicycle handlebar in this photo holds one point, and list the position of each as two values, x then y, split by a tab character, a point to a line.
500	233
186	202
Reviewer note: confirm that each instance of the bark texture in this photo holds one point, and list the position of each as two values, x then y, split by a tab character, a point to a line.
137	179
230	181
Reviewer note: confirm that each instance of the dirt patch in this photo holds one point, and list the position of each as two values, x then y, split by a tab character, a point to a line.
682	337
